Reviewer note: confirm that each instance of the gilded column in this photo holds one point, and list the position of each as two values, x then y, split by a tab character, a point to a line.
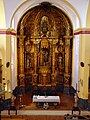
67	54
21	60
35	61
53	60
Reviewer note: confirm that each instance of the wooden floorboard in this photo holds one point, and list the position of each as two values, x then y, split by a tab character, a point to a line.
32	117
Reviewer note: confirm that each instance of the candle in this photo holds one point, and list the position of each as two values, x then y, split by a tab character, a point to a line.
76	87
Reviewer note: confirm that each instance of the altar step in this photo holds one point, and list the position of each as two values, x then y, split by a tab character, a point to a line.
44	112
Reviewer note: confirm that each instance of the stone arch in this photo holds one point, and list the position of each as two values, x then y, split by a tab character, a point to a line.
19	12
25	6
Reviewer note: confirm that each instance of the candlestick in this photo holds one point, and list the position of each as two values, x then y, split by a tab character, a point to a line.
76	87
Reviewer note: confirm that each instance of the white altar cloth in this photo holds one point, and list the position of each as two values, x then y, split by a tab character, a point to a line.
46	99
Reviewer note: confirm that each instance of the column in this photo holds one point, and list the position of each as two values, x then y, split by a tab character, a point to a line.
35	61
21	60
53	60
67	54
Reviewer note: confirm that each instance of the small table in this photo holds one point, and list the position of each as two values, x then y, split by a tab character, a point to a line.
46	99
12	108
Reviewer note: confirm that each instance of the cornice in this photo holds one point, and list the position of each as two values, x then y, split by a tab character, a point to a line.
7	32
82	31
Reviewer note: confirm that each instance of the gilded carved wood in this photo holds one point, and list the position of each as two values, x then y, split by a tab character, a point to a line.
45	52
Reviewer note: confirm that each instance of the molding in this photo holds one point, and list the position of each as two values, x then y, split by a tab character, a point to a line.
82	31
7	32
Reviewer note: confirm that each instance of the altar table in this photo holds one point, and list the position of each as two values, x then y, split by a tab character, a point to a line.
48	99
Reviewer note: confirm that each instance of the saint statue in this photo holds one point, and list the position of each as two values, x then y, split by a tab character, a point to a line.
45	54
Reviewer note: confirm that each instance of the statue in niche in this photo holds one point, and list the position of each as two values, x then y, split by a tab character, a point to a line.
45	54
60	60
30	60
60	45
44	26
28	53
43	57
28	45
60	50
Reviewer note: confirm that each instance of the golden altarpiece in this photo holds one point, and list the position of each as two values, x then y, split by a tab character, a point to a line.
44	46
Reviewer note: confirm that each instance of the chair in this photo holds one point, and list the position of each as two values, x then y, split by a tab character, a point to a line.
53	91
35	90
12	108
76	109
44	91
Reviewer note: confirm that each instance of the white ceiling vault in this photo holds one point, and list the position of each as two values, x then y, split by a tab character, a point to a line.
71	8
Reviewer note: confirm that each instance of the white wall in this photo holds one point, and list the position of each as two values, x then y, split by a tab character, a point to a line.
81	7
2	15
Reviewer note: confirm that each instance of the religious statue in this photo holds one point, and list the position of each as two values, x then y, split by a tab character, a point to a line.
60	47
60	55
60	60
45	54
46	106
44	26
